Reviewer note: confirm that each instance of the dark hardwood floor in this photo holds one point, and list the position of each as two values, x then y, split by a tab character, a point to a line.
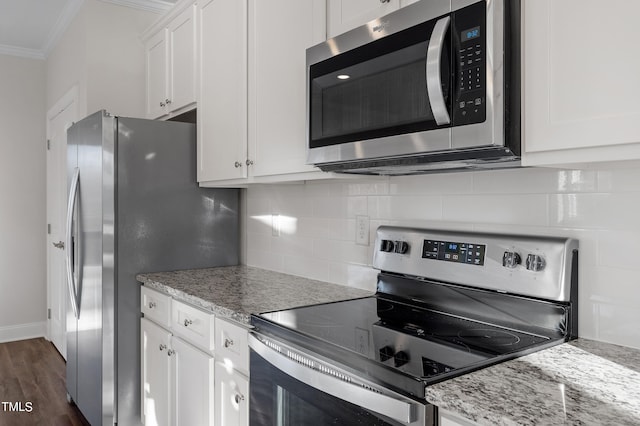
32	386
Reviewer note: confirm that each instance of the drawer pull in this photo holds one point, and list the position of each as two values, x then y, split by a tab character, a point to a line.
187	322
170	352
152	305
162	347
228	343
238	398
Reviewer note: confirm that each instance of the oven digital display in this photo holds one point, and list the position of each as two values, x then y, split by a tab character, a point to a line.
470	253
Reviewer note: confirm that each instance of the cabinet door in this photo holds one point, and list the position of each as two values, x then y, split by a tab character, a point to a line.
345	15
580	71
157	78
182	61
232	397
222	101
156	374
193	385
279	33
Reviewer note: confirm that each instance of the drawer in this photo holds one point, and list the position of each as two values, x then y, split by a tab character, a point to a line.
155	306
231	345
194	325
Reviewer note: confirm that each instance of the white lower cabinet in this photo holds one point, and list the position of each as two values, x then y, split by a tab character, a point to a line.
232	397
156	374
193	386
194	367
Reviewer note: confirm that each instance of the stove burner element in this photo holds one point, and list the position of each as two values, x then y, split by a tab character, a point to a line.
483	336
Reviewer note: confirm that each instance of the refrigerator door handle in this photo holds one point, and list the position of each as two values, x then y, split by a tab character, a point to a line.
73	193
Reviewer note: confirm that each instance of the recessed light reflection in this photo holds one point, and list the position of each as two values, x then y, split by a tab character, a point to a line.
343	77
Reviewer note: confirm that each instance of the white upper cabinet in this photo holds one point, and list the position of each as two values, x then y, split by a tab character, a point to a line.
222	101
252	102
171	66
280	31
580	81
157	74
182	60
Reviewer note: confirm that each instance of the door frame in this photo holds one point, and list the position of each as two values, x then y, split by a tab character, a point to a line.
68	100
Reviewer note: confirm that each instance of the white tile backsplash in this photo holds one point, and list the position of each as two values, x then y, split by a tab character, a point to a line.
598	207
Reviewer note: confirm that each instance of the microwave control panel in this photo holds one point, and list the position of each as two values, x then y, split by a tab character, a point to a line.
469	54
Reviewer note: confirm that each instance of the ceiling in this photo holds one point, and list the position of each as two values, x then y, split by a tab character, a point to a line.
31	28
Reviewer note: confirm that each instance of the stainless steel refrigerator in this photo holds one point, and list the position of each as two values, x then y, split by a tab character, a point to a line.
134	206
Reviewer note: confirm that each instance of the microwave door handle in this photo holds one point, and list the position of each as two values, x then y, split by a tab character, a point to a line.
434	82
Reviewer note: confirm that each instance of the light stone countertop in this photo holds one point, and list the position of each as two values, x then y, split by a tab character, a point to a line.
582	382
236	292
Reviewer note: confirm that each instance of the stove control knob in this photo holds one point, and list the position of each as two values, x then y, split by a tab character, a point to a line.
401	247
400	359
535	262
387	246
386	353
511	259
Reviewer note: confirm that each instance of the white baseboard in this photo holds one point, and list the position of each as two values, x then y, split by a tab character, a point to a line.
23	331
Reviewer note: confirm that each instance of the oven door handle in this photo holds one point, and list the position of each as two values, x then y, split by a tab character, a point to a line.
302	369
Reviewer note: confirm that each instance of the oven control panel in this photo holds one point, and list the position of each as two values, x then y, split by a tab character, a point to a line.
527	265
449	251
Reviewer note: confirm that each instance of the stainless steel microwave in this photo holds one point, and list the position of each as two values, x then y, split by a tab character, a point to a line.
432	86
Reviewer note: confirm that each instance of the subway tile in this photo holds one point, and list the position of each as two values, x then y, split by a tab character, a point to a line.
312	227
618	211
446	183
292	245
342	229
534	181
360	186
619	249
266	260
620	179
316	269
358	276
530	209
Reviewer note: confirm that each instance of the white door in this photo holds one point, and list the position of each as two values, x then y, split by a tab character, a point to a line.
59	119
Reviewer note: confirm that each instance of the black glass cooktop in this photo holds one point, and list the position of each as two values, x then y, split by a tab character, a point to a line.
419	342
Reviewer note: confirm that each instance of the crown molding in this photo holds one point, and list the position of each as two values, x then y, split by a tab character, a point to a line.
64	20
156	6
21	52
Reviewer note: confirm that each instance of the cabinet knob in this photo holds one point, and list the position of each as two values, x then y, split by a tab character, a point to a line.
187	322
167	101
170	352
238	398
152	305
384	1
249	162
59	245
228	343
237	164
162	347
162	104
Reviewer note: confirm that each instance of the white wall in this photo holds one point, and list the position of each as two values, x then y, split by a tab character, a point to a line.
23	290
599	207
102	54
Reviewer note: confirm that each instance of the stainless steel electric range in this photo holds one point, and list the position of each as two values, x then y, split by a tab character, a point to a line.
447	303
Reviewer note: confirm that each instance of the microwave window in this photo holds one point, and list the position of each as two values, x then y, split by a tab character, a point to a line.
382	93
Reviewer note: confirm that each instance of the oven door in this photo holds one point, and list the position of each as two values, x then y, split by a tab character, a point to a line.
292	388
